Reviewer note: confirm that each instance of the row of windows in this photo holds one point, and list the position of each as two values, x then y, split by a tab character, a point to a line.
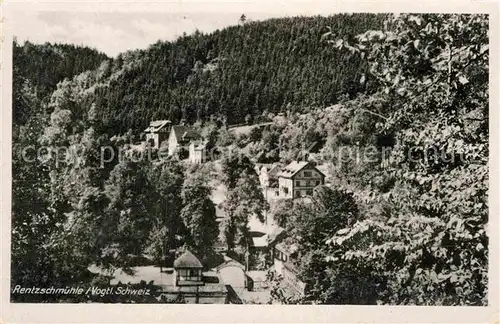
280	255
189	274
307	183
298	193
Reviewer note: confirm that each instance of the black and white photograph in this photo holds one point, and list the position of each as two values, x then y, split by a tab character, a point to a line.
250	157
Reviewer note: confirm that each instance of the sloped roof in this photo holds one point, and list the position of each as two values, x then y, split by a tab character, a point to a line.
185	133
289	249
156	125
293	168
261	241
271	168
283	247
187	260
274	170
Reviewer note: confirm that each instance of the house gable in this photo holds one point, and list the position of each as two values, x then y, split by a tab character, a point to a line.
307	172
298	179
158	126
157	132
172	138
184	134
300	169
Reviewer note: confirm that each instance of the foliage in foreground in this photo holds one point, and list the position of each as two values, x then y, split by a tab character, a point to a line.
404	225
428	241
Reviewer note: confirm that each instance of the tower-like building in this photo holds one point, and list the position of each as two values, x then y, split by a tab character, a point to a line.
187	270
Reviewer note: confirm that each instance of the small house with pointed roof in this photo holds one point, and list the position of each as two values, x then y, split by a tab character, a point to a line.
194	285
157	132
298	179
180	137
185	283
188	270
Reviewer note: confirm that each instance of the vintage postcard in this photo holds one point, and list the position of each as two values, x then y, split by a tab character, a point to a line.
168	154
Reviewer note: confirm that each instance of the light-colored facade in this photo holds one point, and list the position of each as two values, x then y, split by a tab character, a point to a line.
197	152
157	132
172	143
284	267
298	179
264	177
190	282
233	273
186	282
180	137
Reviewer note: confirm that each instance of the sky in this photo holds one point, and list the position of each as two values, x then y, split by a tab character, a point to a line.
114	26
124	26
113	33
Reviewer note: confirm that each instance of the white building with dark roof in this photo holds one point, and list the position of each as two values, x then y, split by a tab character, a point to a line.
157	132
298	179
180	137
187	282
187	270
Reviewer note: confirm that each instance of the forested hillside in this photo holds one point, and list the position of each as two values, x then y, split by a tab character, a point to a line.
38	68
403	217
405	221
233	74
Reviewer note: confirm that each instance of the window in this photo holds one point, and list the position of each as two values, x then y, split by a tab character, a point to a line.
308	183
297	183
297	193
307	174
284	257
278	254
309	192
318	182
277	192
189	274
285	190
150	139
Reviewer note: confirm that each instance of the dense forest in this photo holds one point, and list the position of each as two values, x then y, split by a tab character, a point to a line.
396	108
233	73
405	220
39	68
